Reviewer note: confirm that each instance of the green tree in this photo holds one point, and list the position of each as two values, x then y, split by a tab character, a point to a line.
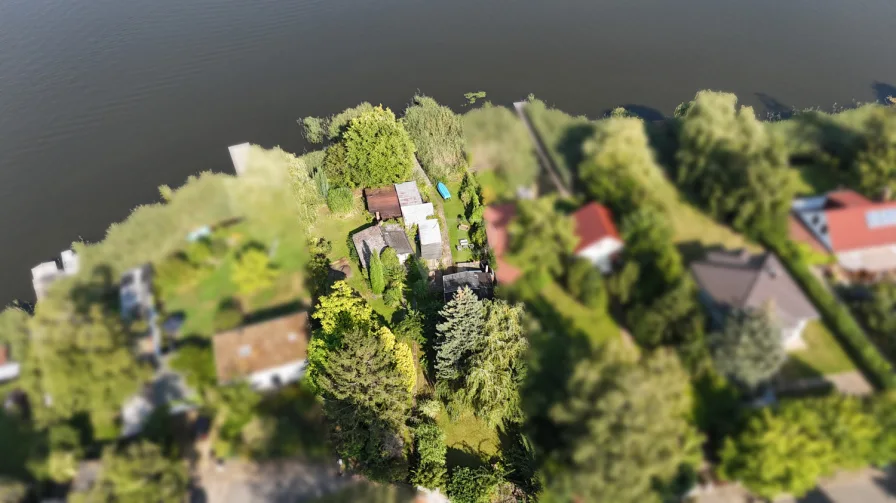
335	166
875	165
585	283
14	332
541	239
623	434
495	370
80	361
378	149
63	455
473	485
375	273
883	408
313	129
849	426
619	168
879	314
438	134
430	471
748	349
734	165
253	271
460	334
197	364
784	452
393	270
366	401
138	473
341	309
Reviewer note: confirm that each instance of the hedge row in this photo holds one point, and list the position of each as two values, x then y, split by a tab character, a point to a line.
864	353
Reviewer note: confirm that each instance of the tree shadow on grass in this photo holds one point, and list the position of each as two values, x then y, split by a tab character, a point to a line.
465	456
275	312
570	148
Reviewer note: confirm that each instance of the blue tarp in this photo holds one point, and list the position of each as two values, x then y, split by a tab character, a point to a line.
443	191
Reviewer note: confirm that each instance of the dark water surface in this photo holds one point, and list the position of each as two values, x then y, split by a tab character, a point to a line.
101	101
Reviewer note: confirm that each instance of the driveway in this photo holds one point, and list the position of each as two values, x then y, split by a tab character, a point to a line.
868	486
285	481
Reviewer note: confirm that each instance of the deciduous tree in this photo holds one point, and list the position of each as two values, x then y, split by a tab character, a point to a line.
81	360
875	167
495	370
378	150
541	238
623	433
778	453
138	473
253	271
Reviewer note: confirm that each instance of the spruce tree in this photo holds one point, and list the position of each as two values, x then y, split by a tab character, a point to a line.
459	334
367	402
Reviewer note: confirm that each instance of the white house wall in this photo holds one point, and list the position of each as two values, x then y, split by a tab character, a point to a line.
600	253
264	379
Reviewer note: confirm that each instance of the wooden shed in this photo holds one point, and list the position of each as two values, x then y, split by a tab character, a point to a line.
383	201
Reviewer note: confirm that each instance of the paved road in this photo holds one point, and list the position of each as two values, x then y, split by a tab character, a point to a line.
869	486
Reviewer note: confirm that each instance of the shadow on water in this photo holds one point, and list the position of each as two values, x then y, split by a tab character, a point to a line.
883	91
644	112
774	109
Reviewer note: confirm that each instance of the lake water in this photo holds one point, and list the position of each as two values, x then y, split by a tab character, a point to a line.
101	101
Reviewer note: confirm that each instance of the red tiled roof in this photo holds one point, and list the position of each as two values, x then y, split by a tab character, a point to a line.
497	219
593	223
846	199
848	228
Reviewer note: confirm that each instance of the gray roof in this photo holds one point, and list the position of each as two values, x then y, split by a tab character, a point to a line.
396	238
408	194
367	241
738	280
378	237
478	281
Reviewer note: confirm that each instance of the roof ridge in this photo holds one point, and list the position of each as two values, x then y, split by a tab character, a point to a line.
759	276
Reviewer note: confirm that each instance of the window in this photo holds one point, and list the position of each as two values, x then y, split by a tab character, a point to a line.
824	229
815	219
245	350
276	381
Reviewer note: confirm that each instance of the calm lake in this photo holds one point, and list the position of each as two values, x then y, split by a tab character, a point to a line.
101	101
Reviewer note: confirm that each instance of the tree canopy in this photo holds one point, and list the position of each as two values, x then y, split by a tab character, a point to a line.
749	348
733	165
377	149
541	238
623	434
137	473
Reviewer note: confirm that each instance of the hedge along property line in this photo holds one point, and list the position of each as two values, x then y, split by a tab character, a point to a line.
877	369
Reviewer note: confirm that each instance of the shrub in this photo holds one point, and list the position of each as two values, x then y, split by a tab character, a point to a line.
472	485
393	270
392	296
340	200
438	134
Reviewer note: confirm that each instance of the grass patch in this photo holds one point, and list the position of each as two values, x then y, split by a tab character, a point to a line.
336	229
494	188
200	302
823	355
470	441
599	326
454	208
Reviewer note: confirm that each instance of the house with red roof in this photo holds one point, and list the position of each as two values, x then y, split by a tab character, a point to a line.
599	241
859	232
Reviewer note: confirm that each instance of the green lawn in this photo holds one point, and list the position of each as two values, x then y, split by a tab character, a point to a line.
454	207
599	326
470	441
336	229
822	356
199	302
494	188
